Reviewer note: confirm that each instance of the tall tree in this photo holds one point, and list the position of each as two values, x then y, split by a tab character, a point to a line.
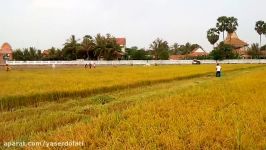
213	35
100	42
106	47
222	24
231	24
160	48
259	27
88	45
174	48
71	48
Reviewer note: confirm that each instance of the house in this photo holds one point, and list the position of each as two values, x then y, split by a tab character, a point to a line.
197	52
240	46
6	53
122	43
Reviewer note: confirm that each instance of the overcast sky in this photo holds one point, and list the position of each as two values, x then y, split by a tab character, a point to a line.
46	23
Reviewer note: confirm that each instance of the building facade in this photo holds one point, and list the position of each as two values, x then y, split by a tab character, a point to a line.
6	53
122	43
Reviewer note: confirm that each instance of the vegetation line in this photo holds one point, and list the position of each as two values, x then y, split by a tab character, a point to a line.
10	103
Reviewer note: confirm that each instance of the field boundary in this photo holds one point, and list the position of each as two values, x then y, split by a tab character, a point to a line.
11	103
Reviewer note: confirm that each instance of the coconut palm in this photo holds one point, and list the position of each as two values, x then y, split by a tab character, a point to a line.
260	27
159	46
213	35
100	46
88	45
71	47
222	24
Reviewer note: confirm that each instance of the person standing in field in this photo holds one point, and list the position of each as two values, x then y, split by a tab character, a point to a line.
94	65
7	67
90	65
218	70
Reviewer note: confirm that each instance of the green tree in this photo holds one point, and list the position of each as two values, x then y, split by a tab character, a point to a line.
105	47
254	50
213	35
222	24
71	48
18	54
32	53
160	48
231	24
259	27
223	51
88	46
174	48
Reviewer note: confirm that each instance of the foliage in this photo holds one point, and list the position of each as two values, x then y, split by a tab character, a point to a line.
222	23
213	35
27	54
105	47
88	46
134	53
71	48
263	48
223	51
260	27
231	24
184	49
254	50
160	48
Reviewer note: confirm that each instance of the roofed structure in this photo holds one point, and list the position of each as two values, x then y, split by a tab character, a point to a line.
239	45
6	52
122	43
198	52
232	39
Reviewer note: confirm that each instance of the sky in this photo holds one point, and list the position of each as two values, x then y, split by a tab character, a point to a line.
46	23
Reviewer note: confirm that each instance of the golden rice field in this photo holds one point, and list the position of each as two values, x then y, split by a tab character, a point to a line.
157	107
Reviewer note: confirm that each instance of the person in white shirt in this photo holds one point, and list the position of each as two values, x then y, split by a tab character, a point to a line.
218	70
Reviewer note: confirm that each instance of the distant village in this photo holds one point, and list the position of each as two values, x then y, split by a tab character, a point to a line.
108	47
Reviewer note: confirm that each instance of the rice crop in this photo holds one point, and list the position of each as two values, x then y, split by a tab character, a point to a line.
29	87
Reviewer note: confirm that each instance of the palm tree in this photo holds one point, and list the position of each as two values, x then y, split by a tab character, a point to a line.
175	48
159	46
88	44
222	24
264	29
100	46
231	25
71	47
213	35
254	50
260	27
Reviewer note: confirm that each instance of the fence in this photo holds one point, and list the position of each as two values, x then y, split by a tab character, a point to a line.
137	62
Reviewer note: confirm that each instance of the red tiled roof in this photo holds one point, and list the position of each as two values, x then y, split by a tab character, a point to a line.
121	41
45	52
